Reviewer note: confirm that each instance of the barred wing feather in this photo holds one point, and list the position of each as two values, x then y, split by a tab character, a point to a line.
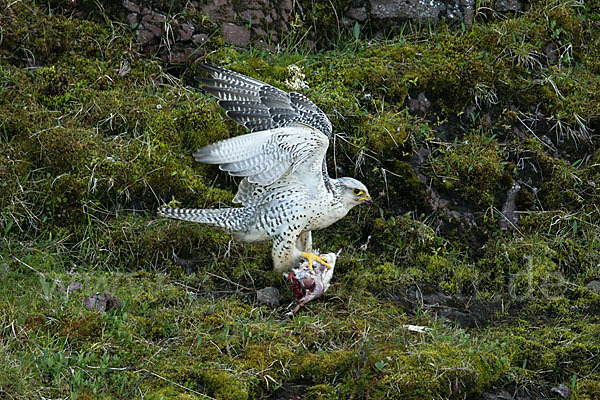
264	157
259	106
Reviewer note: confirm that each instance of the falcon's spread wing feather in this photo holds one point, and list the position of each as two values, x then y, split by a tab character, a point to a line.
294	153
259	106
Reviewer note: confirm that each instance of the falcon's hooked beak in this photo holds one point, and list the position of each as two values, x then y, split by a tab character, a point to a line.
367	199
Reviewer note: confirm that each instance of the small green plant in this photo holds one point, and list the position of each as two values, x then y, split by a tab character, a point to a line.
381	366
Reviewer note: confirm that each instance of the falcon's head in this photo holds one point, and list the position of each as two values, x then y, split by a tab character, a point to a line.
353	192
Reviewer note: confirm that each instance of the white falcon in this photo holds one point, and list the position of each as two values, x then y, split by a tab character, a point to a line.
286	191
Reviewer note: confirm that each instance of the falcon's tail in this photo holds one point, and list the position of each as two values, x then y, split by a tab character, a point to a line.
231	219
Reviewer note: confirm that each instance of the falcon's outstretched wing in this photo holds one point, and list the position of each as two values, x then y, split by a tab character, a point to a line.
296	151
259	106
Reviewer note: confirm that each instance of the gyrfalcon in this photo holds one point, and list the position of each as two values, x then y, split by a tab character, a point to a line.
286	192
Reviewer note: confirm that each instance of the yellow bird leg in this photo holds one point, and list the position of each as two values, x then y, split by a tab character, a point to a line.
310	257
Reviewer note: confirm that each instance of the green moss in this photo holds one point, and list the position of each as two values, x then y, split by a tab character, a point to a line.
172	394
552	348
475	168
322	21
385	131
86	327
317	367
319	392
224	385
53	88
586	389
33	37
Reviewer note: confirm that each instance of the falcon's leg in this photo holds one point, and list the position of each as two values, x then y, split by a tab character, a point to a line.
304	241
285	253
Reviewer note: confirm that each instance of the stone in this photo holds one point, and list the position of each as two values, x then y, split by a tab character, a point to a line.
259	31
153	17
156	30
509	217
562	390
188	54
286	5
594	286
185	32
236	35
132	19
144	36
420	105
393	11
199	38
134	8
73	286
268	296
499	396
552	52
252	15
102	302
357	14
508	5
411	9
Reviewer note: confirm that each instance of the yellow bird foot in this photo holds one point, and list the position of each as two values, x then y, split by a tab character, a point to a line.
310	257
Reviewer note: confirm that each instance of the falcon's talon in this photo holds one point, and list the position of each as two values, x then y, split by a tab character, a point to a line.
310	257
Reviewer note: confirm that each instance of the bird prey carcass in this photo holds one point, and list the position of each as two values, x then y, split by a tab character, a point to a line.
286	192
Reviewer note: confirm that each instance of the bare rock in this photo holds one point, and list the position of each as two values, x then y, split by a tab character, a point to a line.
594	286
154	17
407	10
102	302
252	15
393	11
509	218
199	38
508	5
134	8
358	14
467	312
562	390
73	286
185	32
286	5
236	35
145	36
268	296
133	19
498	396
421	105
552	52
187	54
156	30
259	31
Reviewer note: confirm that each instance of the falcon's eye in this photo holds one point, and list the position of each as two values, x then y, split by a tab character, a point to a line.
357	192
